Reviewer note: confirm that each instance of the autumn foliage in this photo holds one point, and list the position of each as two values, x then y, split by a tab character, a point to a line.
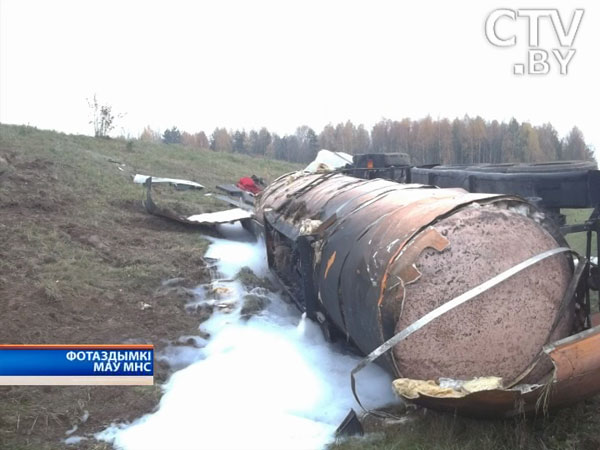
427	141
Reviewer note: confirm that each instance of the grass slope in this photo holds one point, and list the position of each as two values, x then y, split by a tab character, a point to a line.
578	240
80	257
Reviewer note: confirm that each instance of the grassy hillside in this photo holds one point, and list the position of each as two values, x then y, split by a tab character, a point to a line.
82	262
80	257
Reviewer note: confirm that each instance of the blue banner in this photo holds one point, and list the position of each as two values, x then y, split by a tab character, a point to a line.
76	361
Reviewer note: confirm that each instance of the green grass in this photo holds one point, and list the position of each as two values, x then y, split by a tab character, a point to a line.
577	241
85	162
79	256
575	428
67	191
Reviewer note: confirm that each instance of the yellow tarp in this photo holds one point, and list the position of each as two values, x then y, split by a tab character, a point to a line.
407	388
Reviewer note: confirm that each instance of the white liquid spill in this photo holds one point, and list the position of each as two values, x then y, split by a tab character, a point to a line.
74	440
271	382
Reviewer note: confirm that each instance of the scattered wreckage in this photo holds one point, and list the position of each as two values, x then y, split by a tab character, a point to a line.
473	301
243	200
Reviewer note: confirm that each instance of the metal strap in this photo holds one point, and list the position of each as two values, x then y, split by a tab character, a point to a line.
566	301
437	312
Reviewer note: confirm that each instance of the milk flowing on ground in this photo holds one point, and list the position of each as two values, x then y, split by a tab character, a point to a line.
268	382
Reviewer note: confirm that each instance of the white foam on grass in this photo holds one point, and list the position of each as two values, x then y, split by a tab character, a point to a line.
235	254
75	440
180	356
271	382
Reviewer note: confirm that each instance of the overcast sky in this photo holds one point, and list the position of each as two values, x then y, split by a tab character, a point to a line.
281	64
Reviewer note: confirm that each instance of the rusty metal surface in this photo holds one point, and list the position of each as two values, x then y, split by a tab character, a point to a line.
577	363
503	330
576	376
392	252
385	254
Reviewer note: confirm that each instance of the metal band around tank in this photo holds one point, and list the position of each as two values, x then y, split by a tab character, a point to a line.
437	312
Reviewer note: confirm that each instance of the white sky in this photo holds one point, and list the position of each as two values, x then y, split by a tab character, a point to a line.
281	64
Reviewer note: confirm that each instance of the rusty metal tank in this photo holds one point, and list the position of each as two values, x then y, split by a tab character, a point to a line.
384	254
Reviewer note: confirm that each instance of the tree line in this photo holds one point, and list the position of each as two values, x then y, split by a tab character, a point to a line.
427	141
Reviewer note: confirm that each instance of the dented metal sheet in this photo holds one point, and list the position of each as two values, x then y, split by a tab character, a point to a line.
205	219
386	254
406	269
141	179
575	376
385	234
228	216
577	368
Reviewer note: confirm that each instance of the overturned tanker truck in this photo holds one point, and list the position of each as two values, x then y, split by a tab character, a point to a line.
472	301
